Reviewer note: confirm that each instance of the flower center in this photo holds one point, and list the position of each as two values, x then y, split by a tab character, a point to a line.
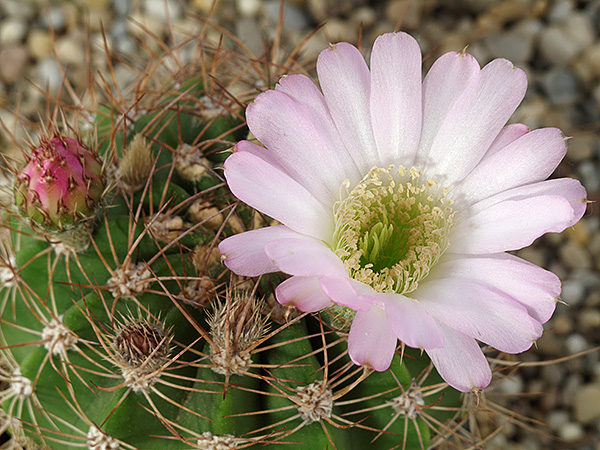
392	228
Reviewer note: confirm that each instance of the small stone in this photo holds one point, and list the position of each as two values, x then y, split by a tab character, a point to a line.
407	13
556	47
561	86
18	9
13	62
576	343
573	292
562	324
582	147
511	385
533	255
48	74
39	43
364	16
121	8
557	418
575	255
248	8
12	31
55	19
517	45
586	403
337	30
70	51
589	319
293	17
161	9
589	175
592	56
560	10
571	431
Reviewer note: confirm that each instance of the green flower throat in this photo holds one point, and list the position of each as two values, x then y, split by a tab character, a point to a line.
392	228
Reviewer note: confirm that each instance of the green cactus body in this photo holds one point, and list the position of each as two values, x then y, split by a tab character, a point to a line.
111	346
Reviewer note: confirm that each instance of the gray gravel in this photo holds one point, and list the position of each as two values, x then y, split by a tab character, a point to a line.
556	42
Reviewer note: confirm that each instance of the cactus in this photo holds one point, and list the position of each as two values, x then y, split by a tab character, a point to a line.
141	338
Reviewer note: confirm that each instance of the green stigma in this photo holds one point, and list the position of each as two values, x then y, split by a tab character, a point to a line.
392	228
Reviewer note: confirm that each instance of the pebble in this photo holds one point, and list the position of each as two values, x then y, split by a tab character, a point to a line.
586	404
248	8
560	86
55	19
12	31
562	324
573	292
589	175
571	431
69	50
13	62
576	256
559	44
39	43
560	10
293	17
48	74
582	147
18	9
589	319
406	13
557	418
576	343
364	16
161	9
518	44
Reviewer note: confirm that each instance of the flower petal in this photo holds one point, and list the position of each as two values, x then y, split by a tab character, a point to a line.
274	193
371	341
461	363
535	288
244	253
302	138
443	85
411	322
481	312
346	84
396	97
305	257
304	293
507	135
515	218
340	290
475	120
531	158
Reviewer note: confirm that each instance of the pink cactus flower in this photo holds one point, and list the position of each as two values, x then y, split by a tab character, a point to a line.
399	198
60	185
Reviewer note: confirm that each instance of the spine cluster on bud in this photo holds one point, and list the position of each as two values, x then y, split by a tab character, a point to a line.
61	184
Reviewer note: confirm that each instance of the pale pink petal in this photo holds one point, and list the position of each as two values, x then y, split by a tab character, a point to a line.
475	120
569	188
304	293
535	288
531	158
340	290
481	312
411	322
515	218
371	341
244	253
507	134
346	83
305	257
443	85
396	97
274	193
303	140
461	363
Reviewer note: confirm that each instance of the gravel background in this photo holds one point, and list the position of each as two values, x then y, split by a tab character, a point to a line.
556	42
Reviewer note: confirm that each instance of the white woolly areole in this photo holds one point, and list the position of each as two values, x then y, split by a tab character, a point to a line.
314	402
139	379
58	338
7	272
97	440
128	282
227	363
408	403
20	386
210	441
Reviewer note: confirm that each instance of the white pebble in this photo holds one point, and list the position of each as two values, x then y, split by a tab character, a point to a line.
12	31
571	431
576	343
